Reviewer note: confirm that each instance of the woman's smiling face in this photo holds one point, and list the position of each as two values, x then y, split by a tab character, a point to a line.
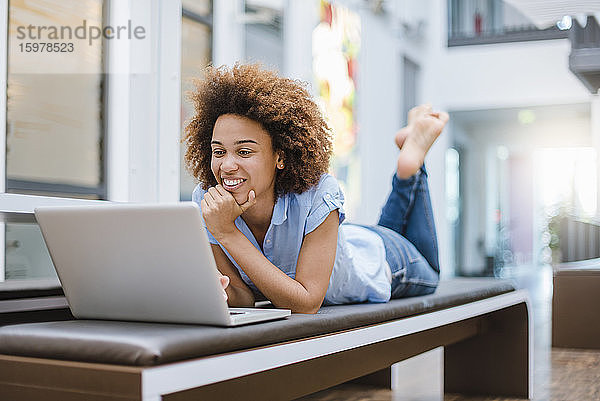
243	158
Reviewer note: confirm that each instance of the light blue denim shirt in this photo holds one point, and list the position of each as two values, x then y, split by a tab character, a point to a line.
359	272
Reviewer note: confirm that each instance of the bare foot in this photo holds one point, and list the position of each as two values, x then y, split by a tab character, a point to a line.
414	140
401	136
413	115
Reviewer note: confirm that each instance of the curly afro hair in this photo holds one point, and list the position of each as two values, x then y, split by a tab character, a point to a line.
282	106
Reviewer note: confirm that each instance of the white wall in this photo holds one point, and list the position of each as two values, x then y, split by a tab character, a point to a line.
497	75
508	75
378	108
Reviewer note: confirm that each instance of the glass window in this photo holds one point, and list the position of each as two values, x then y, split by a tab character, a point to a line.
26	254
196	54
54	138
472	22
264	35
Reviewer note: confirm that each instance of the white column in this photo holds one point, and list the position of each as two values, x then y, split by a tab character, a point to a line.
228	32
430	50
169	104
378	108
300	17
117	106
144	103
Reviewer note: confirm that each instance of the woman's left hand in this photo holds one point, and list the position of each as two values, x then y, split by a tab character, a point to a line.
224	280
220	209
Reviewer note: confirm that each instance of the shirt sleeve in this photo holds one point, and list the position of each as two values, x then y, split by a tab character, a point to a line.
197	197
328	197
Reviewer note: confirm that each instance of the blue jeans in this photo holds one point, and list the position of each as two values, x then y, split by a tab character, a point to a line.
408	232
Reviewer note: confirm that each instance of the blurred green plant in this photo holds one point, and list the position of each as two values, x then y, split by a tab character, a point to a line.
555	217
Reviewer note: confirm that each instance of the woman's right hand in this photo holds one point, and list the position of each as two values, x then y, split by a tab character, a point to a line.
220	209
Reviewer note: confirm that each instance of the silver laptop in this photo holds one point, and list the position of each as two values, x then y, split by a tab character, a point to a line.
140	262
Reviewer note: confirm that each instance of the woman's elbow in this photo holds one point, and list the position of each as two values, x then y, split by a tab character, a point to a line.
307	311
310	308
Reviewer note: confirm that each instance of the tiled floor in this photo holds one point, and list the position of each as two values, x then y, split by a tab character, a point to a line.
559	374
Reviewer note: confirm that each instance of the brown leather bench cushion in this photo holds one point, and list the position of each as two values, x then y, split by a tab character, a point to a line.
131	343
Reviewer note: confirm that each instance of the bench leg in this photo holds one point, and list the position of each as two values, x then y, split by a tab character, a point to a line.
382	379
495	363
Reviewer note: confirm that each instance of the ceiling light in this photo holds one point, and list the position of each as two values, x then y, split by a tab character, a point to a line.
526	117
565	23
